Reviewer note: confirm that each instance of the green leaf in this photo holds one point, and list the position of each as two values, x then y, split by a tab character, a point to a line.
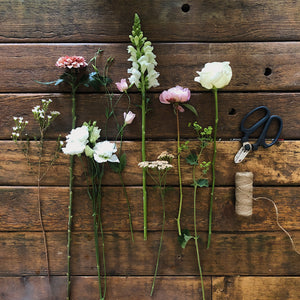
191	108
119	167
192	159
184	238
201	183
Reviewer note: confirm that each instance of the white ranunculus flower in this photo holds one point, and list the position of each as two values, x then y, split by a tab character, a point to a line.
104	151
73	148
79	135
215	75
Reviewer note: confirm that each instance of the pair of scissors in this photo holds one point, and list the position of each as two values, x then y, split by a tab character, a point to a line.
261	141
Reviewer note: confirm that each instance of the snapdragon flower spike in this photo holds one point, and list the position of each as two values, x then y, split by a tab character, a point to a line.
142	58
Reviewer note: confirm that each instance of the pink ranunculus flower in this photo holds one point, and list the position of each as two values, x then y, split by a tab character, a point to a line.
176	94
122	85
128	117
71	62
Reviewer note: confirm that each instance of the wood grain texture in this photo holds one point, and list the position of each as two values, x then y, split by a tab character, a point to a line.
277	165
161	122
19	209
177	64
262	253
249	288
106	21
86	287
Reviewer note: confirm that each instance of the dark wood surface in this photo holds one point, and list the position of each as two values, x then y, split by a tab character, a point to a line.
250	258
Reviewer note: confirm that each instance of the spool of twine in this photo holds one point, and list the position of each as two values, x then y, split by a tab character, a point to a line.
244	200
244	193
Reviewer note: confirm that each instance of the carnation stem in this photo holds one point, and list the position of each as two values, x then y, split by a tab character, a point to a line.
215	91
71	178
196	234
179	174
143	91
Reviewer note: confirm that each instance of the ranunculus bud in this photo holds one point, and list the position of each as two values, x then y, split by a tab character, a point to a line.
215	75
122	85
128	117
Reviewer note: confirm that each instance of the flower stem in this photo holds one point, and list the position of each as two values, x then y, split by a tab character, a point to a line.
128	206
143	91
161	239
179	174
71	178
196	234
215	91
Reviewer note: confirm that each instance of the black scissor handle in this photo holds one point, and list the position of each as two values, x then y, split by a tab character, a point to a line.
254	127
261	141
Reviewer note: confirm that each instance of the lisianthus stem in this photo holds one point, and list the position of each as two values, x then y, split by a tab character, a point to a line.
215	91
143	91
71	177
196	234
128	206
179	173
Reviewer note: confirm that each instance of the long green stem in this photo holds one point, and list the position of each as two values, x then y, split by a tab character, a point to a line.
143	91
128	205
179	175
161	238
71	178
215	91
196	234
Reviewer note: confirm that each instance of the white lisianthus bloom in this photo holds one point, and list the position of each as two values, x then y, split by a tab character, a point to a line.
76	141
215	75
79	135
104	151
73	148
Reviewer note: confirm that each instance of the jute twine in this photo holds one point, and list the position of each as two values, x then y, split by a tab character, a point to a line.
244	200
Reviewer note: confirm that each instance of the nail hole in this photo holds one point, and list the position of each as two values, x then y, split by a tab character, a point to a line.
185	7
232	112
268	71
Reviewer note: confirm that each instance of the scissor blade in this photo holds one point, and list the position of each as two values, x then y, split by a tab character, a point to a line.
242	153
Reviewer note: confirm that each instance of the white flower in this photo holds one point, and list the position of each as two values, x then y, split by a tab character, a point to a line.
215	75
104	151
95	134
73	148
79	135
76	141
128	117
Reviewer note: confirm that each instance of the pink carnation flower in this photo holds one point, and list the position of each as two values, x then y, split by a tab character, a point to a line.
122	85
75	62
176	94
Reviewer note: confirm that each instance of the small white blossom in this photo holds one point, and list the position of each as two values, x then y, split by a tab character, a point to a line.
104	151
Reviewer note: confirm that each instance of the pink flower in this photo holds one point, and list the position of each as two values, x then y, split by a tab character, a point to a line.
122	85
75	62
128	117
176	94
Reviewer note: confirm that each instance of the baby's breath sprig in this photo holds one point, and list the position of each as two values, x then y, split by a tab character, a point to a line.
44	120
158	170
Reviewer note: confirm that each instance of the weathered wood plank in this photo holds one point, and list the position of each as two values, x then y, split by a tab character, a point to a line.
98	21
85	287
264	253
249	288
19	209
177	64
277	165
232	109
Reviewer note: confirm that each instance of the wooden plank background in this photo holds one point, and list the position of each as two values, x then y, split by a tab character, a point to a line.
249	258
